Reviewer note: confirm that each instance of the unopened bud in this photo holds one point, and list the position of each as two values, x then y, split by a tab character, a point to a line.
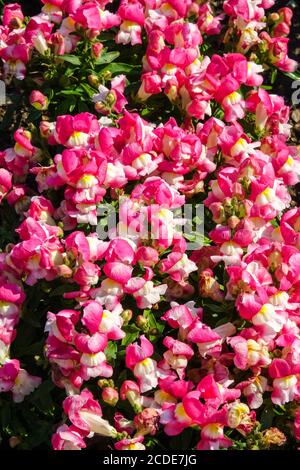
127	316
93	80
130	391
101	107
274	16
110	396
154	332
14	441
103	383
38	100
233	221
97	50
107	75
141	322
110	99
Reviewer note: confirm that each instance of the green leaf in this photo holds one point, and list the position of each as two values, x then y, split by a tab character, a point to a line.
107	57
153	323
8	118
293	75
183	441
88	89
61	290
5	416
67	106
274	76
217	308
32	350
72	59
111	351
72	92
82	107
40	433
41	397
132	333
34	115
267	417
119	68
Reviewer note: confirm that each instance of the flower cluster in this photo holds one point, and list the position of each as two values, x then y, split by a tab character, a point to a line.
141	336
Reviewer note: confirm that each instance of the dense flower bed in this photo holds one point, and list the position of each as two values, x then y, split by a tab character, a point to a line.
150	336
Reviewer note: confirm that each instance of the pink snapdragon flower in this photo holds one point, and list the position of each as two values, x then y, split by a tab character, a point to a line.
132	17
178	266
297	426
253	389
209	342
277	48
249	353
67	438
12	16
38	33
247	9
130	444
75	131
15	58
5	182
138	359
286	386
17	380
145	292
282	19
177	356
182	316
104	321
85	413
62	325
93	18
209	23
175	416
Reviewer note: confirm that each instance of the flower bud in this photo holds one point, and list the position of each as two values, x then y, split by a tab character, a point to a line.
103	383
45	129
154	332
91	34
97	50
127	316
233	221
101	108
93	80
147	256
110	396
107	75
14	441
110	99
274	16
58	44
131	391
274	260
38	100
209	287
141	322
